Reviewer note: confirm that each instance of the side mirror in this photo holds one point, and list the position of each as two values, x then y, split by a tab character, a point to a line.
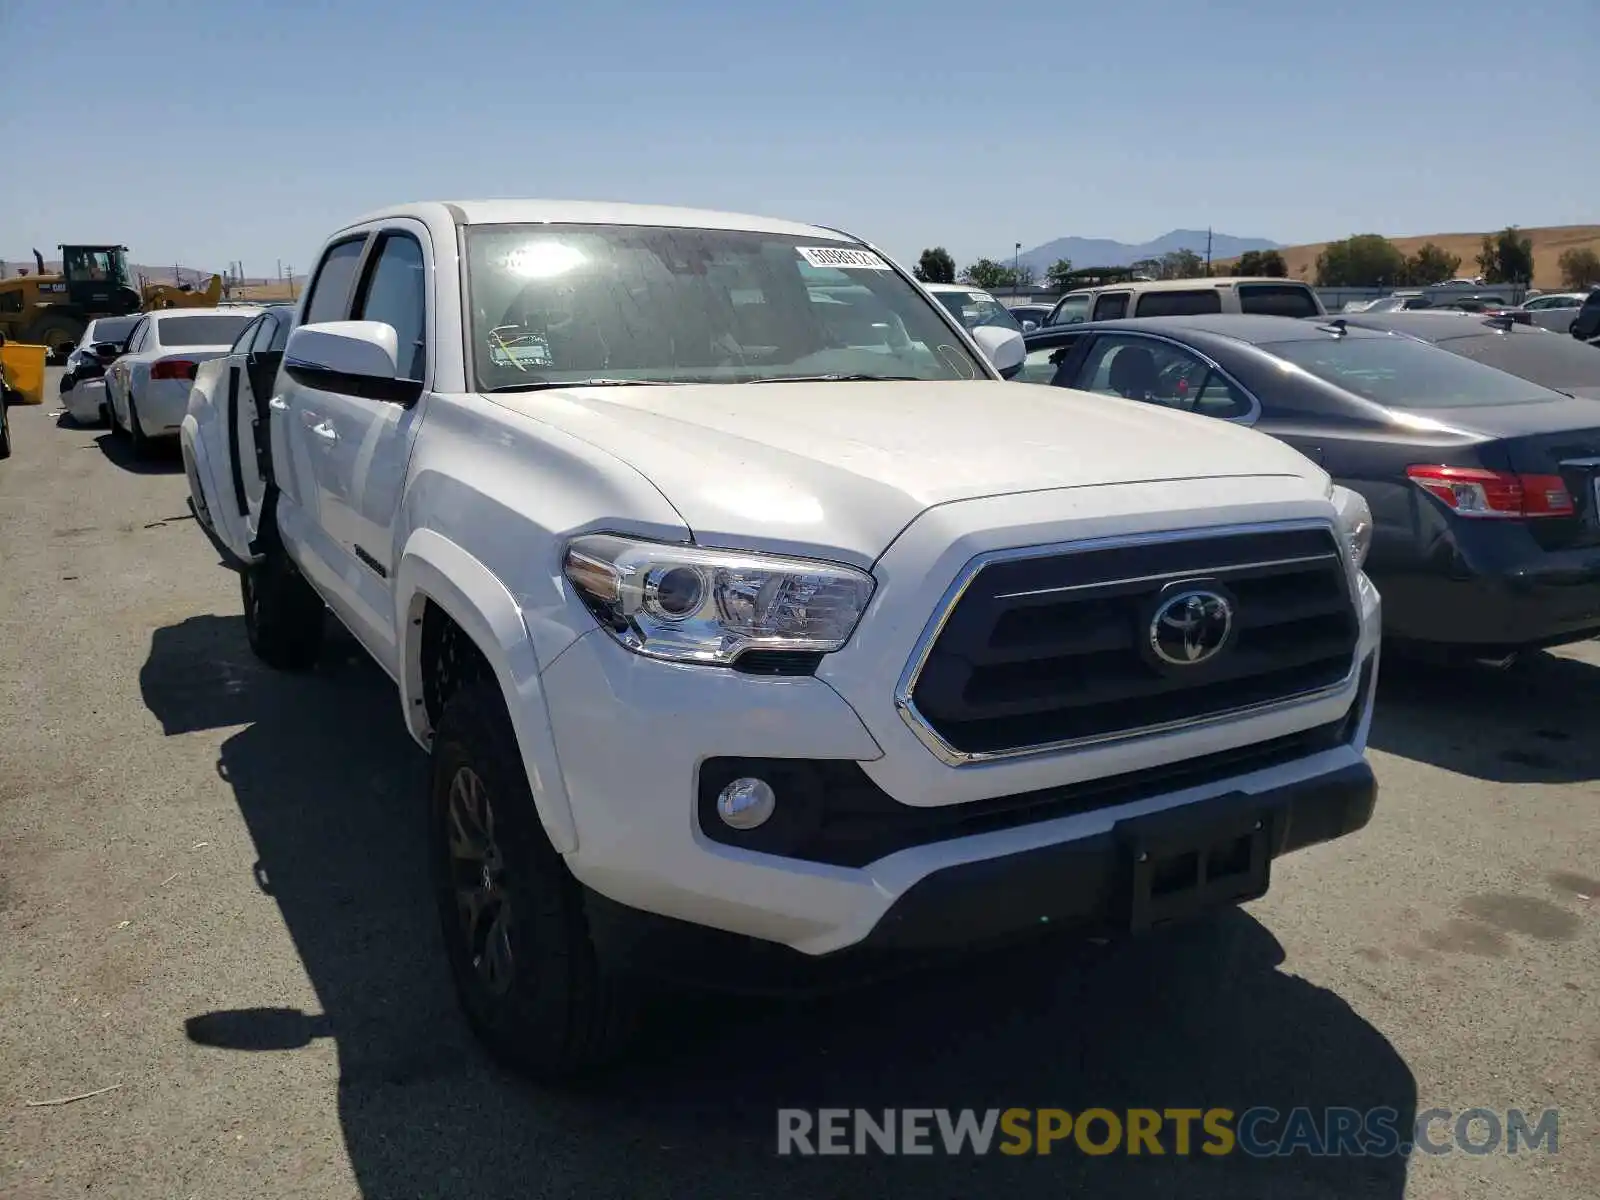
1004	348
106	351
352	358
1029	325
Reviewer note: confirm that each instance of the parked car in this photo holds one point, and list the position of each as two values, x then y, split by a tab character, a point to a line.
1546	358
1181	297
973	306
1031	316
224	400
147	389
1554	310
1586	325
1484	487
825	654
83	383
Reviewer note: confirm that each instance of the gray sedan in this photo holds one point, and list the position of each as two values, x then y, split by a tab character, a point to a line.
1546	358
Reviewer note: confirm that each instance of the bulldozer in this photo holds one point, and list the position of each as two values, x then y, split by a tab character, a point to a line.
52	310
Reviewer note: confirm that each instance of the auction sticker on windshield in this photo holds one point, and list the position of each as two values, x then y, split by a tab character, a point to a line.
840	256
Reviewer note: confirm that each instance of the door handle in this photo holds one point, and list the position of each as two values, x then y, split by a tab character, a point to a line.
278	404
325	431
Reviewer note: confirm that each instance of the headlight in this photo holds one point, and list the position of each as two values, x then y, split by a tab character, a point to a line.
1355	521
709	606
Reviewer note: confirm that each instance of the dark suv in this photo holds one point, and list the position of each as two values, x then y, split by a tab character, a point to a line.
1586	325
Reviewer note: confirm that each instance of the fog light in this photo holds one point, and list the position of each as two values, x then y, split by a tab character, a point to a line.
746	803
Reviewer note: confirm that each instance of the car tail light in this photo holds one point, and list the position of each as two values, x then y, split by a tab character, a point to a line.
173	368
1478	492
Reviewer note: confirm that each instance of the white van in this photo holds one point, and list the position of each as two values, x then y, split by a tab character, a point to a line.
1264	296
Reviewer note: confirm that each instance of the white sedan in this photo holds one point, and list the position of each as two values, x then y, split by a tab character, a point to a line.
83	383
147	389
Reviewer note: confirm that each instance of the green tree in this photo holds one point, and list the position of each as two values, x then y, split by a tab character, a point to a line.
1506	257
1059	274
1261	262
1150	268
1431	264
935	266
1365	260
1580	268
1182	264
1023	276
987	274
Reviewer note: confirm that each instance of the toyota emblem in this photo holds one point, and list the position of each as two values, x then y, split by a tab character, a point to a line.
1191	627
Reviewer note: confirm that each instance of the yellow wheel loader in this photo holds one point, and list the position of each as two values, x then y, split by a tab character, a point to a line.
52	310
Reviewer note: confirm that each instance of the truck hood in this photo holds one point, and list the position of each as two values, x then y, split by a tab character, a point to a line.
842	468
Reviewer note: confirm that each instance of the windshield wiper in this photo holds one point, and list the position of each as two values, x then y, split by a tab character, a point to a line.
546	384
838	379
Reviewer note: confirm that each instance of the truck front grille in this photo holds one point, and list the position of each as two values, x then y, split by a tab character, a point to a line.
1056	648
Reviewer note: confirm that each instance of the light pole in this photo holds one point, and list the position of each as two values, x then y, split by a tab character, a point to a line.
1016	273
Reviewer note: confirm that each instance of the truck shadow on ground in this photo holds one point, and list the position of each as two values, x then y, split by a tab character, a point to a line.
330	788
1532	722
164	455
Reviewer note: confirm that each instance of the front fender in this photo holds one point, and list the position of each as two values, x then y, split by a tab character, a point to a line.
432	567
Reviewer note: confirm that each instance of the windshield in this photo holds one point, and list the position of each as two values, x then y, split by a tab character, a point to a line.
976	308
1404	373
563	304
212	329
84	265
1551	360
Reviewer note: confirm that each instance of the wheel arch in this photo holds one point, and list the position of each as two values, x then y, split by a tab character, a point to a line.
439	581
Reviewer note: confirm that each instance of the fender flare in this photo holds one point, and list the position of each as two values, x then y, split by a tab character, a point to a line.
434	568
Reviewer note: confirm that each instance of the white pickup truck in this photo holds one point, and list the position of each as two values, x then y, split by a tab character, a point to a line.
758	632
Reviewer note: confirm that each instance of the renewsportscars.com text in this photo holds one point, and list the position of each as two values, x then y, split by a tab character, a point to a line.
1258	1132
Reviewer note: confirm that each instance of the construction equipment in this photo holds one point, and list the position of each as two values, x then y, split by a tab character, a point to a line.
52	310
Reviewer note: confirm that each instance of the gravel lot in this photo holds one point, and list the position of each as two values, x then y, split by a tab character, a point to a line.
212	895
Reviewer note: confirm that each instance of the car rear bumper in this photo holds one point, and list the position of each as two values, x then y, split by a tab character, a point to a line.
1141	873
1547	601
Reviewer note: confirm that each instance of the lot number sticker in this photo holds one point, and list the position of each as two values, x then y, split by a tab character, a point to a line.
839	256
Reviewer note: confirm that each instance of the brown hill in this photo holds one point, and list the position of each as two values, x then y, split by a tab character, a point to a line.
1549	244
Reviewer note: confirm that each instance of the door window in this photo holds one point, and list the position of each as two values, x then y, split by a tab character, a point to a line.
1042	365
1277	300
137	337
330	291
393	293
1156	372
1180	304
242	344
1113	306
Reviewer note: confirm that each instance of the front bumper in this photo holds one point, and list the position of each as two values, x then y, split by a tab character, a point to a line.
1090	887
634	738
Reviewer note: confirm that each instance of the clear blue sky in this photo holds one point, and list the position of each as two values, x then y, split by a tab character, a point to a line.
211	130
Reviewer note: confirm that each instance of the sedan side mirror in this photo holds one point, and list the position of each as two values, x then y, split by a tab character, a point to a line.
106	351
352	358
1004	348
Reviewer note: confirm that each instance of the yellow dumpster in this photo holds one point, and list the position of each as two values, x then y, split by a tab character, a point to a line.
24	368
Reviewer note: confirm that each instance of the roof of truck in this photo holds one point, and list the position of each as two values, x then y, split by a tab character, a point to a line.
599	212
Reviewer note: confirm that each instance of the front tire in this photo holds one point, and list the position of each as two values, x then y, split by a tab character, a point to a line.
525	970
282	613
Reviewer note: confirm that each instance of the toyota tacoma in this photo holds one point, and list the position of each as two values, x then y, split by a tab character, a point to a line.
759	634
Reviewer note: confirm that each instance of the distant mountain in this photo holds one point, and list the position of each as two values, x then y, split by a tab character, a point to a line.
1103	252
